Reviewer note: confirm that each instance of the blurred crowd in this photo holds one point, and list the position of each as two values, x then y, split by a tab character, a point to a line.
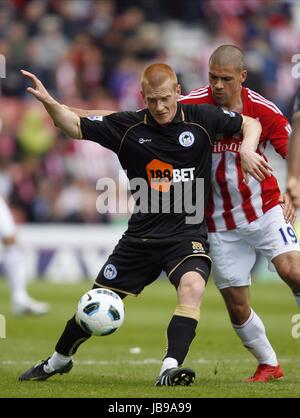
89	54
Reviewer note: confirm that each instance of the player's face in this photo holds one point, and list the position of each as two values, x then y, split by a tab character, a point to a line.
162	101
226	84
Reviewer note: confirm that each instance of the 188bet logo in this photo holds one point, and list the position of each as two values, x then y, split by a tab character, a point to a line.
161	175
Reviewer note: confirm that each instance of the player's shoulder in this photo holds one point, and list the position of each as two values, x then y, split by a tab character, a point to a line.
123	119
261	105
194	111
129	116
200	95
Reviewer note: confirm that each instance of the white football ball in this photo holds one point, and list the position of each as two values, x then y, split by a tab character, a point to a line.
100	312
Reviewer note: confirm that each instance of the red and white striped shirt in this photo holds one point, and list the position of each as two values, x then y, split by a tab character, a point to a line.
233	203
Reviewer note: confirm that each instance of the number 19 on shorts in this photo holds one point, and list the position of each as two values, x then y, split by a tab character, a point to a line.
288	235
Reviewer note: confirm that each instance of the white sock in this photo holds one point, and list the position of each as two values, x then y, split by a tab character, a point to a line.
15	272
253	336
297	298
56	361
168	363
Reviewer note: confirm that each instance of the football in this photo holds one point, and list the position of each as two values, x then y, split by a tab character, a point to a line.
100	312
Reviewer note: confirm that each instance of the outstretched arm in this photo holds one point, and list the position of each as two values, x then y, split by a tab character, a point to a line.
62	116
84	113
252	163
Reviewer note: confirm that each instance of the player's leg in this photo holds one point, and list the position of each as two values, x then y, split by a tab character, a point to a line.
132	266
182	327
233	260
189	275
237	302
251	331
60	361
280	246
288	267
21	302
13	265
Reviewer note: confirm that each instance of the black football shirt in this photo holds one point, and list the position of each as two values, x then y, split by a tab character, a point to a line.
172	163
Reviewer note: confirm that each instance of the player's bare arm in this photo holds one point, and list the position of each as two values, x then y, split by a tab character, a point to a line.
62	117
252	163
84	113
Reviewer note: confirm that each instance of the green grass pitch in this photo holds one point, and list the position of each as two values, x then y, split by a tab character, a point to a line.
105	367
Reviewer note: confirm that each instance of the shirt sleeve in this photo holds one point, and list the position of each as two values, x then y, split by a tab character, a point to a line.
218	121
107	131
278	134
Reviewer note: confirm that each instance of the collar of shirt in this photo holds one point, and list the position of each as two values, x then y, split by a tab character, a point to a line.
178	118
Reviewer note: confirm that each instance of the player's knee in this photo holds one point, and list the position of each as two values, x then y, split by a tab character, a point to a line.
238	312
237	302
290	273
191	288
288	268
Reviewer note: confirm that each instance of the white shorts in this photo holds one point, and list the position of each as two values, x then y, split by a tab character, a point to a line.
233	252
7	223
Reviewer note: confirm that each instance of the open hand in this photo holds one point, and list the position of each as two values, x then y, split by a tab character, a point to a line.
255	165
38	90
289	209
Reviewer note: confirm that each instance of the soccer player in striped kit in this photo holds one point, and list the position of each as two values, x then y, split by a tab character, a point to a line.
243	217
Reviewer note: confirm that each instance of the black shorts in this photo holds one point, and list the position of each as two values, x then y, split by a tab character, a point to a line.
136	262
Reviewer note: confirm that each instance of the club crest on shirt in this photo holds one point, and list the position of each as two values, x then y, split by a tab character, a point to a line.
186	139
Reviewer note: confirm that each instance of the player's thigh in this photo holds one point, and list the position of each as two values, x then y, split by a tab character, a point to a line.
130	267
287	266
275	237
233	259
7	223
187	255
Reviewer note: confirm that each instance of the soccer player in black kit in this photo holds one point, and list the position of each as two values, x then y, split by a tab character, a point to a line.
163	145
